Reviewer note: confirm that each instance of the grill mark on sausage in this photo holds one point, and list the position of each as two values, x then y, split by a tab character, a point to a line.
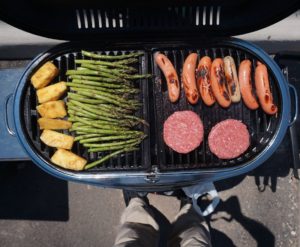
233	88
226	96
172	80
220	75
219	71
195	95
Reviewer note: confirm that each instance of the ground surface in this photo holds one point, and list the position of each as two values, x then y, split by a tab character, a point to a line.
39	210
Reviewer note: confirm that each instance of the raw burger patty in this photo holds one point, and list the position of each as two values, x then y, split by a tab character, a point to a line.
183	131
229	139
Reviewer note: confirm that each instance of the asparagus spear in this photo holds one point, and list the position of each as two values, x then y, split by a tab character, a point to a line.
115	71
107	95
112	144
86	137
111	57
93	110
104	131
107	157
105	63
128	105
109	148
106	138
103	89
104	112
96	73
100	126
84	99
74	118
99	83
95	78
89	114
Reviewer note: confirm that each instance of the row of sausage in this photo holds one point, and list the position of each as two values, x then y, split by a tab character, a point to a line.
218	80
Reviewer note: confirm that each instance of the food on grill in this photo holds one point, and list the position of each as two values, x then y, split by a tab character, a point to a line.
232	79
229	139
219	84
263	91
103	102
183	131
52	92
170	74
52	109
57	140
246	85
203	81
189	78
54	124
68	160
124	58
44	75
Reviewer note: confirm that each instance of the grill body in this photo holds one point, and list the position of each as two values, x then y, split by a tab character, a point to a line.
156	167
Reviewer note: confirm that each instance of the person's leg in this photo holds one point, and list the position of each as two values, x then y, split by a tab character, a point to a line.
138	227
189	229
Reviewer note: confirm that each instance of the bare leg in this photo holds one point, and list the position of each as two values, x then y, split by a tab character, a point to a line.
138	227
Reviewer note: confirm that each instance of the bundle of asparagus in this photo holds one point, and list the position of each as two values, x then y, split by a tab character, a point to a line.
102	104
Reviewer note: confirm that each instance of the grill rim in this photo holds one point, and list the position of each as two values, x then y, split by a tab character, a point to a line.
172	178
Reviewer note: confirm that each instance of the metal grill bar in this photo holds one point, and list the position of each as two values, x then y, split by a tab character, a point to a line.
137	160
157	107
261	126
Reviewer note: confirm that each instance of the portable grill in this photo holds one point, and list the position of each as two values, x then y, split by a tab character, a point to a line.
155	166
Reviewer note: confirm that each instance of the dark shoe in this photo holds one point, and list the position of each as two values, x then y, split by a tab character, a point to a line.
129	194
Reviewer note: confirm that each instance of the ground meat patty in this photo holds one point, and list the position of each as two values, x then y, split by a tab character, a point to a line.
229	139
183	131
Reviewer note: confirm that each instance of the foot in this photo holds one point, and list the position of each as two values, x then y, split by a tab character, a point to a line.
129	194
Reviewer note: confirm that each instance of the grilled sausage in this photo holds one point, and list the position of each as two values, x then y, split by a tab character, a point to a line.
263	91
232	79
170	74
246	85
189	78
203	81
218	83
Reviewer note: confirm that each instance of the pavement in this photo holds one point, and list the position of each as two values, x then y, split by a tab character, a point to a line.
36	209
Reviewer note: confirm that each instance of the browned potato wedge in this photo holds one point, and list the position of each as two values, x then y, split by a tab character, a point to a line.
44	75
57	140
68	160
52	109
54	124
52	92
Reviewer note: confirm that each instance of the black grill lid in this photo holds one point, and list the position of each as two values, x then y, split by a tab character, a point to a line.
86	20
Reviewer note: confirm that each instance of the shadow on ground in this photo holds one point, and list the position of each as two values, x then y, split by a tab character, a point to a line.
29	193
262	235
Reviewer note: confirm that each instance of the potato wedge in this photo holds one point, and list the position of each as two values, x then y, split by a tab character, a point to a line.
57	140
54	124
44	75
52	109
68	160
52	92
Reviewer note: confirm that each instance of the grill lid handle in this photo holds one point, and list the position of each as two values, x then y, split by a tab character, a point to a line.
294	90
6	115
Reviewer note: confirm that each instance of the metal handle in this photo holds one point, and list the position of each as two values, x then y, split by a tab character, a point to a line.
6	112
294	90
211	207
202	188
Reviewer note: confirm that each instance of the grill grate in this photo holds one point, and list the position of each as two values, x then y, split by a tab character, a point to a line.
130	160
260	125
157	108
